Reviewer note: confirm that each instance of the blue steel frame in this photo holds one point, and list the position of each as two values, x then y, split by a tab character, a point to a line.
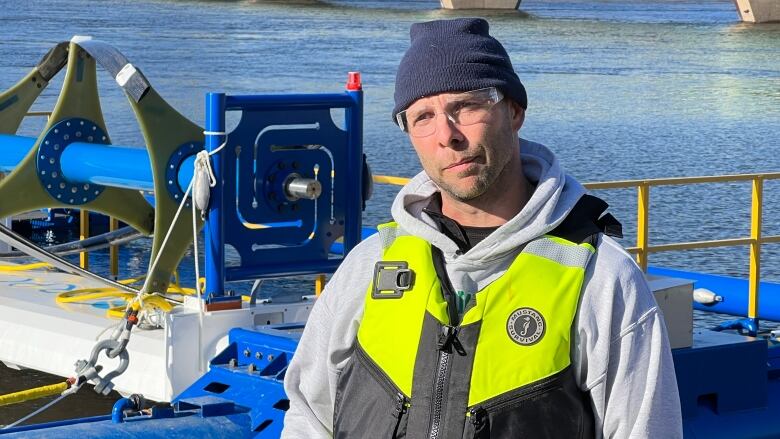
262	112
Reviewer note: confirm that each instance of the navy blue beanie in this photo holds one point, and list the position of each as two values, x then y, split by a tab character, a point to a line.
452	56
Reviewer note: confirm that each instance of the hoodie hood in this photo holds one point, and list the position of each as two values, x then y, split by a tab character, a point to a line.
554	196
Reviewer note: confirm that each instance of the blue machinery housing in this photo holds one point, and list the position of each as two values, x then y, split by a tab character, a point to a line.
729	385
279	137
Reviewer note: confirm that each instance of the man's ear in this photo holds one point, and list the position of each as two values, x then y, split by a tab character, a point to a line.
518	114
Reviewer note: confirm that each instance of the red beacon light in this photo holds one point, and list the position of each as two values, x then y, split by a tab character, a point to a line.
353	82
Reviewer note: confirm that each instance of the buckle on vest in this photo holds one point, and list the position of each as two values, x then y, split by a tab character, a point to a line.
391	279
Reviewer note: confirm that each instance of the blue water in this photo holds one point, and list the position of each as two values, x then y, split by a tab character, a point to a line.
618	89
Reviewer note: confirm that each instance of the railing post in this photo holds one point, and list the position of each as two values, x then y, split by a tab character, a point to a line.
8	222
319	284
84	234
113	250
755	249
643	212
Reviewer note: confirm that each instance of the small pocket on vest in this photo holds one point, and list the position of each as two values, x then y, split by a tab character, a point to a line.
367	403
552	408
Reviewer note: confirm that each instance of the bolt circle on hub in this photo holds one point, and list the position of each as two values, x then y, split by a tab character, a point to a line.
49	164
182	153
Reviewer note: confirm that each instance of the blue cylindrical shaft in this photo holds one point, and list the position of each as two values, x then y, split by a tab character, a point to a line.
12	150
116	166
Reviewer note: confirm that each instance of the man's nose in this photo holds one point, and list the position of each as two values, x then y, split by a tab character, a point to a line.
447	130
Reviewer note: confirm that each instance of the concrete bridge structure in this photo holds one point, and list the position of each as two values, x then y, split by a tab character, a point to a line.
758	11
753	11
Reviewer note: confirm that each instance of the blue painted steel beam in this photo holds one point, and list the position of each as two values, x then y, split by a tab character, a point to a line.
215	228
273	102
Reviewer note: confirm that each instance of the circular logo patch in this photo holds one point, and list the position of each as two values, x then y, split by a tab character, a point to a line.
525	326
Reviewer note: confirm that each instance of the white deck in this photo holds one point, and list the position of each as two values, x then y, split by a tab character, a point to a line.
38	333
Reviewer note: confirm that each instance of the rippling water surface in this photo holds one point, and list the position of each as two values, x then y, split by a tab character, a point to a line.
618	89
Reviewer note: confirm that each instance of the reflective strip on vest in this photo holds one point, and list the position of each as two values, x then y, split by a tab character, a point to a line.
526	315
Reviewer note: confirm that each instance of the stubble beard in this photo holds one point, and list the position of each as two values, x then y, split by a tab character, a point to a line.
484	181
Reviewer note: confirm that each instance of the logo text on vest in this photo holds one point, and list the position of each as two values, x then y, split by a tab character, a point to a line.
525	326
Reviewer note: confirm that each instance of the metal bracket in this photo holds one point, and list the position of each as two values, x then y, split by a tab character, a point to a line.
391	279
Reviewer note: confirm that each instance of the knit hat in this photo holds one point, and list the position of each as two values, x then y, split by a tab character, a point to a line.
451	56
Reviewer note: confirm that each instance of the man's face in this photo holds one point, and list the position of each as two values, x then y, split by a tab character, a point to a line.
468	161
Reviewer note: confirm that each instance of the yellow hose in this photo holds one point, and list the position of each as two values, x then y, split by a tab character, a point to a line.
24	267
149	300
389	179
38	392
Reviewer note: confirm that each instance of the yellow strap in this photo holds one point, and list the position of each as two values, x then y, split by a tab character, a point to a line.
38	392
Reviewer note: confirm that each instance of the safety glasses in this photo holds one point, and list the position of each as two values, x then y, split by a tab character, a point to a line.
467	108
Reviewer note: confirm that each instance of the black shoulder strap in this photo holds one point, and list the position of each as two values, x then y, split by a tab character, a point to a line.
587	219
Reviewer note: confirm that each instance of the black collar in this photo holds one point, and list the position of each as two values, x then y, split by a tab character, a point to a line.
466	237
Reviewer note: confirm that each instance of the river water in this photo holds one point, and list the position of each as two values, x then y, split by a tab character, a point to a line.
618	89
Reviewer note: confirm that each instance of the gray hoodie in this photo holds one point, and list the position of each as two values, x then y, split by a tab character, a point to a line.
620	353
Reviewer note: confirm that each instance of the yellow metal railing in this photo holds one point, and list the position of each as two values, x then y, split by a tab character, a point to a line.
643	248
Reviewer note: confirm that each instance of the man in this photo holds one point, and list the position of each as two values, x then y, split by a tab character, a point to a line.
493	306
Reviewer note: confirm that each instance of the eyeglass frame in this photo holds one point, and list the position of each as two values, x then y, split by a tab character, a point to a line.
495	94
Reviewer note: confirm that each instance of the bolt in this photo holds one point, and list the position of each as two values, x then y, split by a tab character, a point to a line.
270	357
233	362
252	367
259	355
247	352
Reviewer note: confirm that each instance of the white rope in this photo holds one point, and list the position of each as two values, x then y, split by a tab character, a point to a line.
204	163
45	407
197	287
203	180
162	246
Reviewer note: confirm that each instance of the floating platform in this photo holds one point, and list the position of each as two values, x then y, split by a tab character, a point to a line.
37	332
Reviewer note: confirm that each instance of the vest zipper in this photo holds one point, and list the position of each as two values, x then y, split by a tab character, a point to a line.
447	340
438	394
401	407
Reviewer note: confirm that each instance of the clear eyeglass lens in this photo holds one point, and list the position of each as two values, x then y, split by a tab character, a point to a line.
462	109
